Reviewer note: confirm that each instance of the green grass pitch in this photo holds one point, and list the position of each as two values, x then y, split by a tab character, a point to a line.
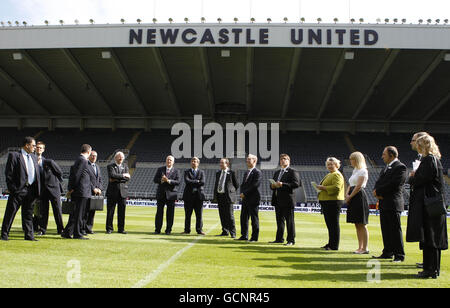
143	259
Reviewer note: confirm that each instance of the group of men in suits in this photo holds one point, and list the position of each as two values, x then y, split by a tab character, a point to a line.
286	180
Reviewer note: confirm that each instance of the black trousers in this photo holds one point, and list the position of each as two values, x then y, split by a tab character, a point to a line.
88	218
391	230
110	210
285	217
193	205
160	214
44	211
75	224
331	211
25	199
431	259
250	211
226	214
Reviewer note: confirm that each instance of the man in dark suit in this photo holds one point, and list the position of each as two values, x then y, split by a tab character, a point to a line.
24	186
51	193
225	188
80	190
96	178
389	191
286	180
168	179
193	196
250	197
117	193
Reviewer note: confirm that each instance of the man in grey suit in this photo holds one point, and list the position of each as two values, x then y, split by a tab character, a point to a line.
117	193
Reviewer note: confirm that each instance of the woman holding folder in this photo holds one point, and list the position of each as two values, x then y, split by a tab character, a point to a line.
331	198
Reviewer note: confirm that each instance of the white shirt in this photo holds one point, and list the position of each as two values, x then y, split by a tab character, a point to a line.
357	173
31	177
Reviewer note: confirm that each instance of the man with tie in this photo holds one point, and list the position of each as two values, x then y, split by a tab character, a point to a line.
168	179
193	196
98	187
283	199
389	191
117	193
24	186
225	188
80	190
250	197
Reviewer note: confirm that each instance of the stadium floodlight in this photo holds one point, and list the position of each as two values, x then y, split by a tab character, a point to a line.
285	19
269	20
420	21
352	20
252	20
91	21
186	20
386	20
17	56
361	20
437	21
61	22
171	20
46	22
154	20
219	20
335	19
429	21
319	20
203	19
447	57
395	20
446	21
349	55
302	20
235	20
122	21
24	23
403	20
138	21
106	55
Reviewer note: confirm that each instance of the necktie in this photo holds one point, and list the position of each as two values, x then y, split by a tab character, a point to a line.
30	169
222	182
280	175
248	175
95	169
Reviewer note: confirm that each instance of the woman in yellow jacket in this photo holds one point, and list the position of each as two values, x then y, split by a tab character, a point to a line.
331	198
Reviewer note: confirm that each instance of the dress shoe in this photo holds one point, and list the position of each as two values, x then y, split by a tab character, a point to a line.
427	274
108	232
276	242
201	233
242	239
382	257
40	233
253	240
122	232
325	247
184	232
31	240
223	234
289	244
398	260
233	236
90	232
81	238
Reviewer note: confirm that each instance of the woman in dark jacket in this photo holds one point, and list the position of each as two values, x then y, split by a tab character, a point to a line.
431	232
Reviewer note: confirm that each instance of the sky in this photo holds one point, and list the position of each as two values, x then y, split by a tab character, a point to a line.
34	12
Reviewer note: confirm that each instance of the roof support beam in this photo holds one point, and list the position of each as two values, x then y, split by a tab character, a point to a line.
74	62
165	76
29	59
437	60
438	106
292	75
123	74
17	85
334	80
249	88
11	106
381	73
208	82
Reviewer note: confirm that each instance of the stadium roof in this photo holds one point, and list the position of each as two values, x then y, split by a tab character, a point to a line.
368	78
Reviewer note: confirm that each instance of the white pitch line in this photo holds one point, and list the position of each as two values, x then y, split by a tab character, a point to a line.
153	275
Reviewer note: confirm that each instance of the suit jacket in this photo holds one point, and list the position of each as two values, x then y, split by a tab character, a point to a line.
390	186
53	178
250	187
118	184
165	190
285	196
194	184
16	173
80	179
230	187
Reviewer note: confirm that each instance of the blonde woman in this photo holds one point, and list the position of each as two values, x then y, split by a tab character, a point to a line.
431	232
356	200
331	199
